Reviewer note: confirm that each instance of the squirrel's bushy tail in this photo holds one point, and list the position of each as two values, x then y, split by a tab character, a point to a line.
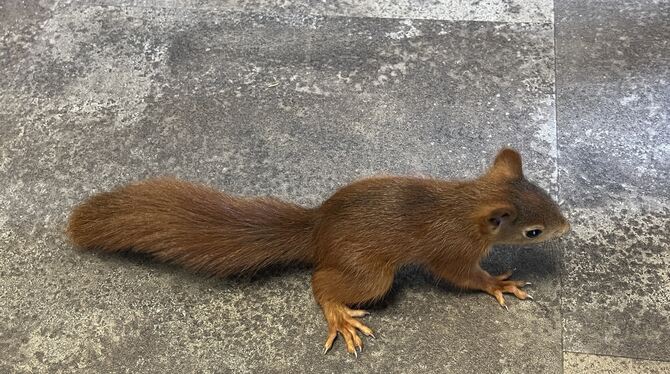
195	226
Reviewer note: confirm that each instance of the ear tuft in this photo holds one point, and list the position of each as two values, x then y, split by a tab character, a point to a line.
493	217
507	164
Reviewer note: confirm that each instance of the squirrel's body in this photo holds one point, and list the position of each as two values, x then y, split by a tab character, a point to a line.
356	240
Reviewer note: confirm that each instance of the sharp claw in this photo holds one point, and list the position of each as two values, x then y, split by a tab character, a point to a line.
530	297
506	308
355	353
325	350
360	349
527	284
373	336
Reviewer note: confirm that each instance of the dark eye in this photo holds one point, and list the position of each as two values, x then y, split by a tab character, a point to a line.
533	233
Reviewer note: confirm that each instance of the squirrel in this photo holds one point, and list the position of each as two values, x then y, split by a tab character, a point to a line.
356	240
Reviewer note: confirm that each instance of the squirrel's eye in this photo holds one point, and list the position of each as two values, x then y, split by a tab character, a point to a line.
533	233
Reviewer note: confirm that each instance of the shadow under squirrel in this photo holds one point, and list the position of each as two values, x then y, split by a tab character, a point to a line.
356	240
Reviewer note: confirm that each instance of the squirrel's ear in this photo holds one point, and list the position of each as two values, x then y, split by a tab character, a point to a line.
507	164
492	217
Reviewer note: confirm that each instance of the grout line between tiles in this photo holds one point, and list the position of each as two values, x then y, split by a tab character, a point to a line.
561	254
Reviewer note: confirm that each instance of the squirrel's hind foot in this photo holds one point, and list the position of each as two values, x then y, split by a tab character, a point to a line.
343	320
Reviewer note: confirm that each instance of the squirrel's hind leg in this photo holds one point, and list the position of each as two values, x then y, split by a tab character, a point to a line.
334	290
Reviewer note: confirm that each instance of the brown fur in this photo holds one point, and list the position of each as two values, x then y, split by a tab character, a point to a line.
195	226
356	240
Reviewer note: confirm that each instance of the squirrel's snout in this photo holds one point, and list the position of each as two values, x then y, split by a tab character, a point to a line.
565	228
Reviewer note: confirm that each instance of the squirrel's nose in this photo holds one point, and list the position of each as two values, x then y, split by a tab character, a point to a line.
566	228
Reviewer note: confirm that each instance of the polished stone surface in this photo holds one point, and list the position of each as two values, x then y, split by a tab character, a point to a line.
295	99
613	79
288	105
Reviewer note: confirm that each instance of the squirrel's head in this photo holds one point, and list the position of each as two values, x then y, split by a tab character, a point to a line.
513	209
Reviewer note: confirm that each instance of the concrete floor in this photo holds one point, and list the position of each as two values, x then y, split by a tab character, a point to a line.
294	100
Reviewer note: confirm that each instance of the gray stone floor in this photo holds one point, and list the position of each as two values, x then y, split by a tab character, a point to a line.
294	99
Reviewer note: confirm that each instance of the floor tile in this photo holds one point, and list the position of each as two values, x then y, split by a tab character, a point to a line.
259	104
614	147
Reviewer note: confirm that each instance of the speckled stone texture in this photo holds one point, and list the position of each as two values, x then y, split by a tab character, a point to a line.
613	79
295	99
533	11
289	105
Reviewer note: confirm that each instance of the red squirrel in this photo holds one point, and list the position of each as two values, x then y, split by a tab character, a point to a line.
355	241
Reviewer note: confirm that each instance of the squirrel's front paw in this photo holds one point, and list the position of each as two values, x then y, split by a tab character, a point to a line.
343	320
500	284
